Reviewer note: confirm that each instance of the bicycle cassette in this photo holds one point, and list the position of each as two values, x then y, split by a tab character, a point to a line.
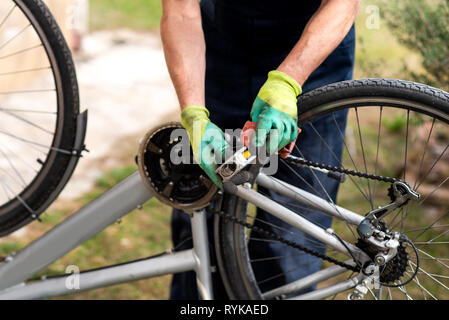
167	168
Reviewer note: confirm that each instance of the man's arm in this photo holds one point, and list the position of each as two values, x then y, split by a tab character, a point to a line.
323	33
275	106
185	53
184	48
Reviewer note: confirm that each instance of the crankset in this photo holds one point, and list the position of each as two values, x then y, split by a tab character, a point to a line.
167	168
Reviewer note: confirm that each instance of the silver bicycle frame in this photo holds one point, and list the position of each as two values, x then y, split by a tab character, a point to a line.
128	195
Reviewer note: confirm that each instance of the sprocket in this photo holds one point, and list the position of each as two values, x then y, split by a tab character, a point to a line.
393	269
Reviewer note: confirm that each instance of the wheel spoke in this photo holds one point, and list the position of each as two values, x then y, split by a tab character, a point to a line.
433	191
433	166
336	158
421	287
8	15
24	71
328	196
3	182
433	258
27	111
276	257
35	143
9	55
430	226
377	151
8	150
363	155
26	91
3	45
276	276
13	167
27	122
406	145
347	149
424	154
420	229
431	277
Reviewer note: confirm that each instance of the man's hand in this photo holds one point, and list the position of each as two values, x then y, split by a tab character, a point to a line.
276	108
206	139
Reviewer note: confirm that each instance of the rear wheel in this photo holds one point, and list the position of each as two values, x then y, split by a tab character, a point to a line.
396	129
39	105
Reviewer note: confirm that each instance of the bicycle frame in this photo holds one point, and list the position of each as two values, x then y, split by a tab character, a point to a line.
128	195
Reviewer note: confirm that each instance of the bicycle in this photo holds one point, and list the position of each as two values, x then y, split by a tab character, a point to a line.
390	229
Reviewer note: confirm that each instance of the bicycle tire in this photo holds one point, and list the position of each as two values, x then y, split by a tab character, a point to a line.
53	174
230	238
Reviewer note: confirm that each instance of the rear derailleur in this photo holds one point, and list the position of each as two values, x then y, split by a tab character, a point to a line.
385	248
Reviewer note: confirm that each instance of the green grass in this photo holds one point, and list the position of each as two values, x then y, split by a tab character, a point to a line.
135	14
139	234
109	179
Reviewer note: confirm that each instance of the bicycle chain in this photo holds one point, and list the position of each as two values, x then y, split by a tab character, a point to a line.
303	162
274	236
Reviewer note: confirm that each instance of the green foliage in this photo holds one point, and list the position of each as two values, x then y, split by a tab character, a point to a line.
135	14
395	124
422	26
398	123
378	53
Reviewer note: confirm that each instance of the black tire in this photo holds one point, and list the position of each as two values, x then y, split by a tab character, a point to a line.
48	180
230	238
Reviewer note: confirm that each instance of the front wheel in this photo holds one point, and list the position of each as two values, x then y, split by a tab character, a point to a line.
39	107
396	129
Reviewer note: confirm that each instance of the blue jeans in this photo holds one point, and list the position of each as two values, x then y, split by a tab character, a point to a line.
236	68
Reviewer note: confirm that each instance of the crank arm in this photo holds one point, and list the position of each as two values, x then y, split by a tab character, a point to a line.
239	160
242	158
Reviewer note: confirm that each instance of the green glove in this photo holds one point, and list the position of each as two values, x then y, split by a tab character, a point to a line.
206	140
276	108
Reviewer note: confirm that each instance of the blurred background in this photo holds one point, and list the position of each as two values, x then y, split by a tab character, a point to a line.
126	88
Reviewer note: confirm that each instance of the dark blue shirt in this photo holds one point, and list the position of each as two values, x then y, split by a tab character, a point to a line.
271	8
264	24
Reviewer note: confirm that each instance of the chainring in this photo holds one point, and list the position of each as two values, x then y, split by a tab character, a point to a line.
180	184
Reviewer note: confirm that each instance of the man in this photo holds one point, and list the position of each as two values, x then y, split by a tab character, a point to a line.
251	59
